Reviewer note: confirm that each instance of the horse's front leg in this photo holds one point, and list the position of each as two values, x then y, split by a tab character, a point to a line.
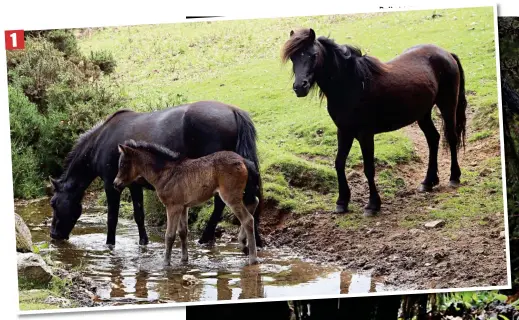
367	146
345	142
208	234
138	212
113	198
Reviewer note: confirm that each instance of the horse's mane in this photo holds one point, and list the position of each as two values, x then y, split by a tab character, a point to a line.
337	57
83	141
156	150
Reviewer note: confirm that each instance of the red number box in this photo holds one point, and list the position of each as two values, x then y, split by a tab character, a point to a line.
14	39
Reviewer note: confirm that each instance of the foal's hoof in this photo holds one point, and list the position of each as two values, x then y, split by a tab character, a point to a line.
425	188
253	261
166	264
370	212
454	184
341	209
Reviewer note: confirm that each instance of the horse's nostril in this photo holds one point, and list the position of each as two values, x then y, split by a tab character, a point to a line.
305	83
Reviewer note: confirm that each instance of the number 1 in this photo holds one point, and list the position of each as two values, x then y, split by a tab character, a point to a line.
13	38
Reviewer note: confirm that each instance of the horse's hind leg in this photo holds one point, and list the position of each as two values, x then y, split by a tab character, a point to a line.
208	234
138	212
182	234
433	141
251	202
448	110
246	221
174	213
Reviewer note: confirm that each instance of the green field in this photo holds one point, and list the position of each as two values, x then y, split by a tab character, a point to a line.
238	62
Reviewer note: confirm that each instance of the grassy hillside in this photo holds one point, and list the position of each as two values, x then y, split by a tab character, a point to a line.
237	62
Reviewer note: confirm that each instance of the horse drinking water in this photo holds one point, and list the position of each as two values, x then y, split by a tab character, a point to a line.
366	97
181	183
196	129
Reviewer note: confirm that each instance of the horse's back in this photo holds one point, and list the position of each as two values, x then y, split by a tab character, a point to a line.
196	129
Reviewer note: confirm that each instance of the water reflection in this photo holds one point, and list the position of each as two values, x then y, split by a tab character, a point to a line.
134	274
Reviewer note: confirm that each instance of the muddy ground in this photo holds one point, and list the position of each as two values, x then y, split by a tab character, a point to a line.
410	257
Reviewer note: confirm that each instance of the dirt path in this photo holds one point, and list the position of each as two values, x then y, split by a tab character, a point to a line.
403	254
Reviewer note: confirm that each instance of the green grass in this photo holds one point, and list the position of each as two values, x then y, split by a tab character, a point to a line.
238	62
479	198
32	295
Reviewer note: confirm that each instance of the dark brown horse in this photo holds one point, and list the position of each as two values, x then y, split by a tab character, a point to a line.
366	96
181	183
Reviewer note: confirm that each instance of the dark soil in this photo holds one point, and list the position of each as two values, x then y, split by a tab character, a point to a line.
406	257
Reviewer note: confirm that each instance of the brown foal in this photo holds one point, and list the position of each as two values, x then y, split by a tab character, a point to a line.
181	183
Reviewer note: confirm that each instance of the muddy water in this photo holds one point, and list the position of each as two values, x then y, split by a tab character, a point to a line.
134	274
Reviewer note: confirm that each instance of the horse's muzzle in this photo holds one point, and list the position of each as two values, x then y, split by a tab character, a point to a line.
118	185
302	89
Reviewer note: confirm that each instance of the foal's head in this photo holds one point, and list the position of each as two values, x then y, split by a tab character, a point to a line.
303	50
137	157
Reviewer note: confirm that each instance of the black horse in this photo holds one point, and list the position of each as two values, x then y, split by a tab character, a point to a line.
196	129
366	96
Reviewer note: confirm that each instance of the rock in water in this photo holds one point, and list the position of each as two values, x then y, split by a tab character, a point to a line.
23	235
189	280
32	268
435	224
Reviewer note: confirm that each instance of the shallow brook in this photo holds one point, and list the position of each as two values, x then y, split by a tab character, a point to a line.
129	273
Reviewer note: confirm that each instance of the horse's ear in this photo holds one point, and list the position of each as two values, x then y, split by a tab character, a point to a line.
121	148
55	183
312	35
291	32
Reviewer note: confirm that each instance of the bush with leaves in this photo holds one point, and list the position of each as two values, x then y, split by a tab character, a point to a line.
55	94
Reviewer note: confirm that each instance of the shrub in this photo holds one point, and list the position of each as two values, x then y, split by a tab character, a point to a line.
154	209
55	94
104	60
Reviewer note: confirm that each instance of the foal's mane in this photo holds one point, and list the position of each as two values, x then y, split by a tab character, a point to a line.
83	143
156	150
334	57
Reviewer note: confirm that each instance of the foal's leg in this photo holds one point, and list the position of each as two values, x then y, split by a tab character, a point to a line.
138	212
433	141
367	146
113	198
208	234
246	221
174	212
182	233
251	202
344	142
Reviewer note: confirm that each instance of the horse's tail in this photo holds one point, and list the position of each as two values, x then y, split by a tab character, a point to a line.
461	117
246	147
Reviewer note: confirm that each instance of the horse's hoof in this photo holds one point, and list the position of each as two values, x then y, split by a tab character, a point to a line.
143	242
110	246
253	261
207	241
454	184
425	188
166	264
370	212
341	209
184	260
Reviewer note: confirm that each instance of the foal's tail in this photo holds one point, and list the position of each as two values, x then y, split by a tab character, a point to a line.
461	117
246	147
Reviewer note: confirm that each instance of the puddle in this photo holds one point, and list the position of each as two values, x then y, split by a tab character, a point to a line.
134	274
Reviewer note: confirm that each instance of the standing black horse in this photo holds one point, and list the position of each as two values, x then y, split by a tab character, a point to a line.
196	129
366	96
